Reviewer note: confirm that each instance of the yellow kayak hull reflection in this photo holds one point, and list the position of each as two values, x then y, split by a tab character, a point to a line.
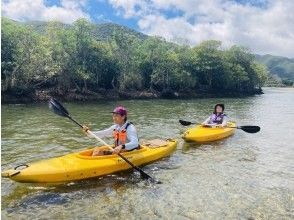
82	165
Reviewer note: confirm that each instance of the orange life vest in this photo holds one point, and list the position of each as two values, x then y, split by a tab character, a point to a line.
120	136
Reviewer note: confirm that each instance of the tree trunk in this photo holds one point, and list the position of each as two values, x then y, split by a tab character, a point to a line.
77	86
85	86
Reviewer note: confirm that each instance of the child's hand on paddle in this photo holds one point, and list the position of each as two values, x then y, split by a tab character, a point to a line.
85	129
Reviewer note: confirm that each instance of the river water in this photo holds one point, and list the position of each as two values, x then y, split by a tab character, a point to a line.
247	176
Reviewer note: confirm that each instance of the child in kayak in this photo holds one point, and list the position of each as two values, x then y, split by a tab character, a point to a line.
218	118
124	133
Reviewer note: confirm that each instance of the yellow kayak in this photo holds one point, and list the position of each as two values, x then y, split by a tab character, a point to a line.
82	165
203	134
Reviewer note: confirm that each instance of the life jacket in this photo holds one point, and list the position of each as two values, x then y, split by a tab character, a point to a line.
217	119
120	136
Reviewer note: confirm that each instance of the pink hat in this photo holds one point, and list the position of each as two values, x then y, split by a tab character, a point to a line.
120	110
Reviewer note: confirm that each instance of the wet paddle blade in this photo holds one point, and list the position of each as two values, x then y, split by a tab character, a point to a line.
146	176
57	108
143	174
250	129
185	123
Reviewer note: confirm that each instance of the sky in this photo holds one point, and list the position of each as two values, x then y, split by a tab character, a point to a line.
264	26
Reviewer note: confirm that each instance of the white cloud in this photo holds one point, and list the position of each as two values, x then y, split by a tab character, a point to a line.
130	8
265	29
23	10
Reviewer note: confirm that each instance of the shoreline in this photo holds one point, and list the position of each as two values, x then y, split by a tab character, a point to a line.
40	96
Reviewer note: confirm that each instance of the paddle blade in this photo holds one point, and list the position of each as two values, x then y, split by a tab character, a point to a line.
250	129
57	108
146	176
185	123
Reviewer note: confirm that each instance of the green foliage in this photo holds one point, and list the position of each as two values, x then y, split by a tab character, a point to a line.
26	59
87	57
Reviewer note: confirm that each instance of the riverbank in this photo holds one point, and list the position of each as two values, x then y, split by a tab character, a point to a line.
74	95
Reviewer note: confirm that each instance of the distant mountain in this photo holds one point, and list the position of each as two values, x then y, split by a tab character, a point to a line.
105	30
282	67
40	26
101	31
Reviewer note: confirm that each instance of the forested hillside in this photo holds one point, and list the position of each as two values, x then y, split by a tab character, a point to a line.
281	67
86	58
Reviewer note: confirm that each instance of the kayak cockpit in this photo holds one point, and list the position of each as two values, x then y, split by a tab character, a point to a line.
88	154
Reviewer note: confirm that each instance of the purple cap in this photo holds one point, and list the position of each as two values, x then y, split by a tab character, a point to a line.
120	110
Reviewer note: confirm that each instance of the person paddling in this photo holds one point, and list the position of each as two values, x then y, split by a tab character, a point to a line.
124	133
218	118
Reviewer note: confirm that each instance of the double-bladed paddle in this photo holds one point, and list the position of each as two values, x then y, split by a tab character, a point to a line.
58	109
246	128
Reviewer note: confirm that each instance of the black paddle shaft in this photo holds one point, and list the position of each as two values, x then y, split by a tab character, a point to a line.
58	109
75	121
247	128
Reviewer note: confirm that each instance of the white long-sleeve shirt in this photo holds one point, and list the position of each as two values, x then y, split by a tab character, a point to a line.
132	141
